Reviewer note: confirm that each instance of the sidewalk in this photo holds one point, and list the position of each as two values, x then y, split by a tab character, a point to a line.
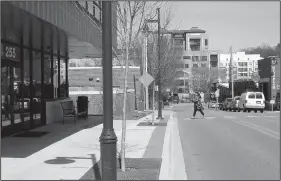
69	151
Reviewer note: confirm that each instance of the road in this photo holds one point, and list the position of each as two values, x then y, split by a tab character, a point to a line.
229	145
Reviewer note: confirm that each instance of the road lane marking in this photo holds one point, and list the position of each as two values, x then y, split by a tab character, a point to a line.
269	133
229	117
209	118
261	127
252	116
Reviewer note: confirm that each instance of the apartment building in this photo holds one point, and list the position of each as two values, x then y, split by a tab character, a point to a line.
194	43
244	65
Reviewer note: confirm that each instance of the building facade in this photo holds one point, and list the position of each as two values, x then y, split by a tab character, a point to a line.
245	66
269	73
37	40
194	43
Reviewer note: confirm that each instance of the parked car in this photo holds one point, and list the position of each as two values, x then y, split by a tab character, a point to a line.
252	101
226	104
234	103
213	104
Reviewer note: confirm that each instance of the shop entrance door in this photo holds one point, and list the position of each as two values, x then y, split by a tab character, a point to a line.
15	110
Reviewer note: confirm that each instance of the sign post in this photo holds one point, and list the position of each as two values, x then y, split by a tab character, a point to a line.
146	80
217	94
272	102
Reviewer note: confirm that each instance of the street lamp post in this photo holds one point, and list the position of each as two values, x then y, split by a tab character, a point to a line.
108	138
159	58
159	72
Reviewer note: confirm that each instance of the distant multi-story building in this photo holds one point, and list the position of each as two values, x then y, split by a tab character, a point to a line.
194	43
244	65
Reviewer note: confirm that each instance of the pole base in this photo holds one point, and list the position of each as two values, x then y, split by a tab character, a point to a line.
160	118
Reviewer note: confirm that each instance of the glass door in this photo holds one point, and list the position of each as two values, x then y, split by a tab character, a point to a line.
10	90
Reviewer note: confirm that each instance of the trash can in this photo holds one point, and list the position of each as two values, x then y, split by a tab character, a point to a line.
82	106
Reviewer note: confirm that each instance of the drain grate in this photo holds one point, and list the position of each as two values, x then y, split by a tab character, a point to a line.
31	134
149	124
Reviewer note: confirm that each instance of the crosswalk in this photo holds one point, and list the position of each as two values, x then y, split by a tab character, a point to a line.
234	117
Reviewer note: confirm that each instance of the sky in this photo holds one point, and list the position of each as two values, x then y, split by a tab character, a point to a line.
239	24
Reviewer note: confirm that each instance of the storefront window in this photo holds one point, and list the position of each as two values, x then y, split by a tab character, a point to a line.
26	28
55	40
55	76
47	37
62	77
26	84
36	86
62	44
36	32
10	22
48	87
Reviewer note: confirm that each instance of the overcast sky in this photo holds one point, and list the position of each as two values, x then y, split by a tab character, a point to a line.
238	24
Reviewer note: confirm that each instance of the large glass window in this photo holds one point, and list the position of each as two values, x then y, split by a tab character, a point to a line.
11	24
195	44
62	43
36	33
62	77
36	86
47	37
48	87
26	28
55	76
195	58
26	84
55	40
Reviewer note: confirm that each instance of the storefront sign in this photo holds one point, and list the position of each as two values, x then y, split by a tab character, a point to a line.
11	52
178	36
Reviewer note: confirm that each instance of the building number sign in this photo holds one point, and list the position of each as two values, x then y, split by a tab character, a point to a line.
10	52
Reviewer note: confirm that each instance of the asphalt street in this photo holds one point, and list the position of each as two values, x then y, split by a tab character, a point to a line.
229	145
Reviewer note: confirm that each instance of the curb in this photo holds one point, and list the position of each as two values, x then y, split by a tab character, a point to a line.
173	166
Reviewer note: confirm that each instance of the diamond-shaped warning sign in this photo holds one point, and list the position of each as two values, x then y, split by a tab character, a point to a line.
146	79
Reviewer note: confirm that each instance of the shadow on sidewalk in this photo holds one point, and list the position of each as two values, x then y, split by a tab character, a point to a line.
21	147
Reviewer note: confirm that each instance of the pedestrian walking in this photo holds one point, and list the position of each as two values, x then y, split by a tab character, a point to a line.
197	105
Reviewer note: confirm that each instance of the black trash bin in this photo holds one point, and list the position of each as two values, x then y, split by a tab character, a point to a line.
82	106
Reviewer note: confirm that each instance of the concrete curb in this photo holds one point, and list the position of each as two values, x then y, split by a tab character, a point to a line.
173	166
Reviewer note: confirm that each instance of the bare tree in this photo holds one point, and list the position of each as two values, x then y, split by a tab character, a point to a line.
202	79
130	18
169	54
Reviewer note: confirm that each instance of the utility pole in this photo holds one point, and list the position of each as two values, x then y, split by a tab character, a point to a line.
231	70
145	58
108	137
159	69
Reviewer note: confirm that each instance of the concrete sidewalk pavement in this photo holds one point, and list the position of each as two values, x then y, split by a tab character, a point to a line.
72	156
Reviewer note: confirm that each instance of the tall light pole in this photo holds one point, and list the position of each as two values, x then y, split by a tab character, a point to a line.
108	137
159	69
145	58
231	70
159	64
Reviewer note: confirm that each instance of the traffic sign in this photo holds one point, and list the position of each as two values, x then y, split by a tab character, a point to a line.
146	79
217	93
272	101
156	88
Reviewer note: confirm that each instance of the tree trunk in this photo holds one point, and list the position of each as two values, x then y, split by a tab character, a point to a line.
123	141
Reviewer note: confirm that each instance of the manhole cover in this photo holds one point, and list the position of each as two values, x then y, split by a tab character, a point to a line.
31	134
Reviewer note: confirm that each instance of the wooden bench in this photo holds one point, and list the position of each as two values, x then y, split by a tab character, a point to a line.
69	110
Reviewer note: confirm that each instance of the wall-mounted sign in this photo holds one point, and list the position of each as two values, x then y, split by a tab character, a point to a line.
194	34
178	35
12	52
